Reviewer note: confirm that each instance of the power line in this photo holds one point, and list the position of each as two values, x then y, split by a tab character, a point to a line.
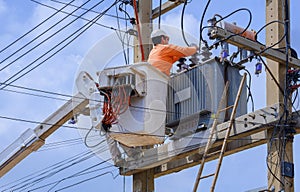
28	178
42	123
85	19
33	48
84	27
93	11
18	39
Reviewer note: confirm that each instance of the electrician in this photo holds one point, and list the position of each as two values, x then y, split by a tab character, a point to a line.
163	54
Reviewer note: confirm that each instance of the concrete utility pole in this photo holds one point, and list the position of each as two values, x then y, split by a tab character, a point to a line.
280	148
143	181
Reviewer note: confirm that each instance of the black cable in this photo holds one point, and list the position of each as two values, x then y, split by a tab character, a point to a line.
54	172
40	173
66	178
22	36
44	170
85	180
120	36
201	24
86	138
92	11
36	95
266	25
245	29
65	143
159	14
33	48
249	89
85	19
86	26
41	123
182	28
287	48
77	174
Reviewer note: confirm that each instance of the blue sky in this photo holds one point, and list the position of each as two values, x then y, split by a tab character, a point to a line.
240	172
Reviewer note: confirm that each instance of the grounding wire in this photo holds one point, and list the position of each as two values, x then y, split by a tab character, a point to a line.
37	37
86	26
35	27
92	10
85	19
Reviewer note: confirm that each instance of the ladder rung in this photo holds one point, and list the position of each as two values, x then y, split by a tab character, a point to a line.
231	106
206	176
224	129
221	130
213	153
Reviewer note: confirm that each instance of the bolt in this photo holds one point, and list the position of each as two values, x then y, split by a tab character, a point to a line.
252	116
263	115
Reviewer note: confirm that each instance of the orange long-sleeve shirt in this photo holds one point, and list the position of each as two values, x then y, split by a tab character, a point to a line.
163	56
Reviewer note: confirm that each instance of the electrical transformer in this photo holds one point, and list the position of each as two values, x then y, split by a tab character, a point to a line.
196	93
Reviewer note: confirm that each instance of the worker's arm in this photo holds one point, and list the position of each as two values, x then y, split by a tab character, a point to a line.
183	51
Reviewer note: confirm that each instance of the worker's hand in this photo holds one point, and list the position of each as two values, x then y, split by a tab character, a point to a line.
194	45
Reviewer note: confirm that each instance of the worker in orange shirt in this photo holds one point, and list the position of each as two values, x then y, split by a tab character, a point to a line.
163	54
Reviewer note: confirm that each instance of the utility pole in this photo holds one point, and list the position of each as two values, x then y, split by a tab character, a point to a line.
143	181
280	146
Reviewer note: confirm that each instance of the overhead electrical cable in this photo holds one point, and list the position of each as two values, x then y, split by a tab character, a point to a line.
66	143
85	19
53	172
92	11
159	14
55	183
85	180
36	95
37	37
32	176
181	23
42	123
84	27
201	26
120	37
77	174
245	29
31	30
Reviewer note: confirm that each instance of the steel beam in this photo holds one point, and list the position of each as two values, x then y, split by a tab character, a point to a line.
248	131
250	45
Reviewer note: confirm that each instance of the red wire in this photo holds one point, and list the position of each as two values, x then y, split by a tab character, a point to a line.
115	105
138	28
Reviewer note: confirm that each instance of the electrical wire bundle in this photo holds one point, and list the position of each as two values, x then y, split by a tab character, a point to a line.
115	103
